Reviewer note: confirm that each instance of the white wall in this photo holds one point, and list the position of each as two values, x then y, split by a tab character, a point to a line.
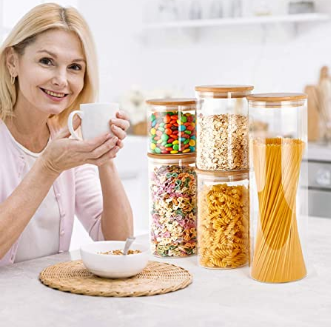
277	58
272	59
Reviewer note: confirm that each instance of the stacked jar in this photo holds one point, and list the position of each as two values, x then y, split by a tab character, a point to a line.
223	176
172	181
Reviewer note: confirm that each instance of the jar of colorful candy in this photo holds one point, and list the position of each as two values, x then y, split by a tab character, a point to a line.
222	127
172	190
223	219
171	126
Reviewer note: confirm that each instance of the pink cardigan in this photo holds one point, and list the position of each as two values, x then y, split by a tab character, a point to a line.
77	190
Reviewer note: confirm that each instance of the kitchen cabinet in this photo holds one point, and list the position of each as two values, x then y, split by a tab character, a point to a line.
316	169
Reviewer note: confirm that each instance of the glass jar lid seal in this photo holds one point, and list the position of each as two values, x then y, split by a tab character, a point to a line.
223	91
276	100
226	175
277	97
172	102
190	156
224	88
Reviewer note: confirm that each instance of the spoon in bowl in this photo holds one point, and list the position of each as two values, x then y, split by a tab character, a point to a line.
127	244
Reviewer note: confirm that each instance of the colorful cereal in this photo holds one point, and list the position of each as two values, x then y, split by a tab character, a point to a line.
173	211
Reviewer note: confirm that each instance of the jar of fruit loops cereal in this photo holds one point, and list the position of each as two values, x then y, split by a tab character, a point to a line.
172	190
171	126
222	127
223	219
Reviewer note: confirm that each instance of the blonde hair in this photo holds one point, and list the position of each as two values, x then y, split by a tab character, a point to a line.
40	19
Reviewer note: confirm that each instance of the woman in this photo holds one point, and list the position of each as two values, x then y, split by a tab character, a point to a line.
48	68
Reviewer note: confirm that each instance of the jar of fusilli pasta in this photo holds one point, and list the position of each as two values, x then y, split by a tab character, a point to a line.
171	126
222	127
278	143
172	189
223	219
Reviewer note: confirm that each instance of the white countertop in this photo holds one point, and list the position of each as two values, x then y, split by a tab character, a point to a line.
215	298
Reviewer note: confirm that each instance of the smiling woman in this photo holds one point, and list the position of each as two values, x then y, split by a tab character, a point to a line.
28	32
49	62
48	68
45	67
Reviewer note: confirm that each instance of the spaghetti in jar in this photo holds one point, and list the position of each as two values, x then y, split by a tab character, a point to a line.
278	143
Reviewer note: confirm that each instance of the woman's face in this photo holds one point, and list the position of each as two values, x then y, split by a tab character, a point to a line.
51	72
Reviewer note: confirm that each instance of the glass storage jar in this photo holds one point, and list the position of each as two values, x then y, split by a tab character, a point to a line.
223	219
222	127
171	126
278	142
172	195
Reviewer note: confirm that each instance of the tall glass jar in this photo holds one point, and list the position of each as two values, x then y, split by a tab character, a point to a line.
222	127
171	126
172	189
223	219
278	142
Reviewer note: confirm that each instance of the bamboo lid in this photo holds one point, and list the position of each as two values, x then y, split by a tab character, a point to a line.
224	88
277	97
223	91
172	102
188	156
230	176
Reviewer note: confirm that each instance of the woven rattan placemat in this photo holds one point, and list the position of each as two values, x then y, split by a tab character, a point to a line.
156	278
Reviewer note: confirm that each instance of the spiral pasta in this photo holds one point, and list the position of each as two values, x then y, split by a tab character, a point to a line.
223	225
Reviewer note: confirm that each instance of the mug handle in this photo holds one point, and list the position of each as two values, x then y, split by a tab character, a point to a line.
70	126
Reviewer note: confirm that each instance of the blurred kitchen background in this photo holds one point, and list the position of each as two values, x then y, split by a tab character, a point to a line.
160	48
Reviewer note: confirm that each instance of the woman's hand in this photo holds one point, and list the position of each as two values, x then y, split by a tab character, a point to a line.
119	126
64	153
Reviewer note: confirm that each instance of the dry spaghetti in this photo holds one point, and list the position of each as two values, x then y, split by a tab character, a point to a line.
278	255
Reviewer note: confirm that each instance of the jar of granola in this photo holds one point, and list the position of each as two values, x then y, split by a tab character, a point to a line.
171	126
172	190
223	219
222	127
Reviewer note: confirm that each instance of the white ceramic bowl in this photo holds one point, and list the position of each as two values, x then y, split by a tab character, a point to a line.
114	266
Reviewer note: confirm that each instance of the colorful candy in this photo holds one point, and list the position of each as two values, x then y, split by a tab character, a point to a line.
173	131
173	211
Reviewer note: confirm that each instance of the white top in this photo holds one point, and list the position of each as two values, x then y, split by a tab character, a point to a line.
41	236
227	298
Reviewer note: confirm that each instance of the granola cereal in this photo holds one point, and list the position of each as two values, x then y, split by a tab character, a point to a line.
222	142
120	252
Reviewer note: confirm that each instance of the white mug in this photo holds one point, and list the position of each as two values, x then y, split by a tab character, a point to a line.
95	119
